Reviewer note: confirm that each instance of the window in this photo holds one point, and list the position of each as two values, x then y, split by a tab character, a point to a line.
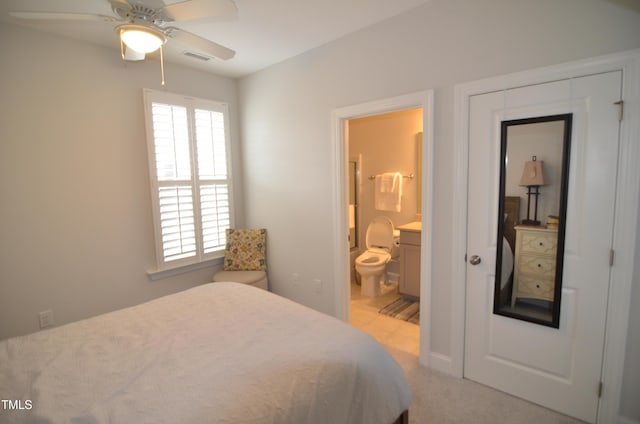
188	141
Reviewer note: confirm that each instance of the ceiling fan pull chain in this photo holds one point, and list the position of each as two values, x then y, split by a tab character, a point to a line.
162	65
121	49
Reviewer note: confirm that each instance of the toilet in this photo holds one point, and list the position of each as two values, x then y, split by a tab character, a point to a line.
381	242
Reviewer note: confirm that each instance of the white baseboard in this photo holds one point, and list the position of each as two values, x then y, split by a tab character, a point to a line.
625	420
438	362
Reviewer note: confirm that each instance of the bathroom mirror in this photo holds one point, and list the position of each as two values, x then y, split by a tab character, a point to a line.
534	166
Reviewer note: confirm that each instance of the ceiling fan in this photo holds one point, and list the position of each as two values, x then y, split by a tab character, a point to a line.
144	26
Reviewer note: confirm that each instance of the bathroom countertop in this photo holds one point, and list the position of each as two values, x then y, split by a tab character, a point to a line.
415	226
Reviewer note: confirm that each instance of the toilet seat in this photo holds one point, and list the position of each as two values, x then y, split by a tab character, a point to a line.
373	257
380	234
379	241
372	263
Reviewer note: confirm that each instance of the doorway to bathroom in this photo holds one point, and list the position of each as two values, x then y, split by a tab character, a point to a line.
385	146
388	138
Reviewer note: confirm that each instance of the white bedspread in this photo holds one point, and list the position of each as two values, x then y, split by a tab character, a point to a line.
217	353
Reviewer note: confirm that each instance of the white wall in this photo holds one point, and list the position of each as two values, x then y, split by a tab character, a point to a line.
75	210
286	119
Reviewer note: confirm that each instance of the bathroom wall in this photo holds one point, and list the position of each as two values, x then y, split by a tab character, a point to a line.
386	143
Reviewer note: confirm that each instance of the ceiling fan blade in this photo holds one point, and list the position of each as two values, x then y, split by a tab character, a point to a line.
119	4
198	9
202	44
55	16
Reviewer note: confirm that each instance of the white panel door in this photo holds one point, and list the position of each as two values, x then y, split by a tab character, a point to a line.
556	368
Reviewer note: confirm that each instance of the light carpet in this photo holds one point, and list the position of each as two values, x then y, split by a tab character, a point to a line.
441	399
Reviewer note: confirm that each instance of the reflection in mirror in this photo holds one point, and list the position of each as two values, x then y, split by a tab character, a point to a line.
534	165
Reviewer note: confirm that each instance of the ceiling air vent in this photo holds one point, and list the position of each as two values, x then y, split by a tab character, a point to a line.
197	56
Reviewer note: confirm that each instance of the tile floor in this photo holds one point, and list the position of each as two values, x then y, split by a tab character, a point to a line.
396	333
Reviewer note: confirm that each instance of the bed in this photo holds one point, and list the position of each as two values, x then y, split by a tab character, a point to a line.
216	353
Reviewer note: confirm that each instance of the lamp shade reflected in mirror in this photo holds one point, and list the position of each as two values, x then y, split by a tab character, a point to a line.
532	178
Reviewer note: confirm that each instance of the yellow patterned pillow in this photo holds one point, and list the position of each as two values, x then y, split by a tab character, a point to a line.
245	250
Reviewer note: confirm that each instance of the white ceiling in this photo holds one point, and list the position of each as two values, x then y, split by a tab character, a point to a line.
263	33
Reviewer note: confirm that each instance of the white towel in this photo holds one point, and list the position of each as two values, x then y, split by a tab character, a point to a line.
386	182
388	192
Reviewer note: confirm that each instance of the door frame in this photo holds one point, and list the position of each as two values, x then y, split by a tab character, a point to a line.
625	218
423	99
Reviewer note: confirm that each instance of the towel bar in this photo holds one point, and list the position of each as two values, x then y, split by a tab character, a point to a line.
410	176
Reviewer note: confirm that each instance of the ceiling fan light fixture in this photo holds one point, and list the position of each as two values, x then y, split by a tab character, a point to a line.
140	38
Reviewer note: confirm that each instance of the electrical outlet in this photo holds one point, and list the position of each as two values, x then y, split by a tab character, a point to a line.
46	319
295	279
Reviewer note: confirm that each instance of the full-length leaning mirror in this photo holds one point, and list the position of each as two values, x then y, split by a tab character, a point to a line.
534	168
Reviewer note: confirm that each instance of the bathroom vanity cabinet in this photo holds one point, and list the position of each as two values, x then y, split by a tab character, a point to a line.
410	259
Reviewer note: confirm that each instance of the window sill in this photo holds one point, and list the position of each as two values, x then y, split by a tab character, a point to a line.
159	274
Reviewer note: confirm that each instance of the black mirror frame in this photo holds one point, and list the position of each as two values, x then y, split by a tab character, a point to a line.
564	187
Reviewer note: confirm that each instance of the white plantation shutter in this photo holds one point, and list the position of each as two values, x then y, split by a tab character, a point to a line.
188	142
212	172
177	222
214	202
210	137
171	139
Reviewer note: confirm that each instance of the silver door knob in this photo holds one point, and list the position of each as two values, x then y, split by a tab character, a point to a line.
475	260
